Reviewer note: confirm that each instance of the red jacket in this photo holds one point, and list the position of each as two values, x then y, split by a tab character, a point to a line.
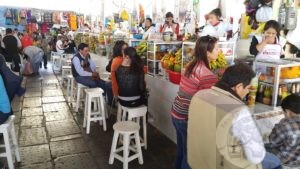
26	41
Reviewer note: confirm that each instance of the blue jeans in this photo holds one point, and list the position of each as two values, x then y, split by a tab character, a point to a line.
35	62
92	83
181	132
271	162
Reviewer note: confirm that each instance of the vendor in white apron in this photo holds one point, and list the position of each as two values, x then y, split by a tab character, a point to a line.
267	46
170	25
216	26
149	28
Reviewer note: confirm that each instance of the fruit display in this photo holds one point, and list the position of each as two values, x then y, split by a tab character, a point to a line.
172	61
219	63
78	38
189	37
86	38
124	15
290	72
93	41
141	48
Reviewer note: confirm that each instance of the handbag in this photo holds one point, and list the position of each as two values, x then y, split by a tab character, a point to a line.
27	69
264	14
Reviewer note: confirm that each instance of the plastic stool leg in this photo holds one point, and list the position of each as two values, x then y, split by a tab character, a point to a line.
88	115
145	132
138	147
8	150
101	100
14	140
113	148
77	99
85	114
68	89
125	150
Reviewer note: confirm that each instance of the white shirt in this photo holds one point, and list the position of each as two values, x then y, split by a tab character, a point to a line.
59	48
150	30
79	69
218	30
245	130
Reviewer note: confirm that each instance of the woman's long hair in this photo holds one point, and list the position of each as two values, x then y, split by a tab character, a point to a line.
136	62
203	45
117	49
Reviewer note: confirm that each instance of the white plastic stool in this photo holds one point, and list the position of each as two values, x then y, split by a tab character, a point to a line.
67	62
134	113
290	167
11	148
55	59
66	70
70	86
80	88
126	129
99	115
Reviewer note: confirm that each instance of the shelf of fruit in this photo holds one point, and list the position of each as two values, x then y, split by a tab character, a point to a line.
92	39
158	52
280	79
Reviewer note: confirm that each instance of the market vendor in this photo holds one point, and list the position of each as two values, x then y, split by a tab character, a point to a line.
216	26
268	45
149	28
170	25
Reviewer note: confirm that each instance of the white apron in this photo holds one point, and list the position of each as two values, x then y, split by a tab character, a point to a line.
169	29
269	52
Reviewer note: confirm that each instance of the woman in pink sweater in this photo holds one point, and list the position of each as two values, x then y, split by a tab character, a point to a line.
197	76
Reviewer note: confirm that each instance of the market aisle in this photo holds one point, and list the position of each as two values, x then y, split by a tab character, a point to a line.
51	135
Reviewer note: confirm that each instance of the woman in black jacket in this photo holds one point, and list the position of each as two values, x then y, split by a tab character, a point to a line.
131	80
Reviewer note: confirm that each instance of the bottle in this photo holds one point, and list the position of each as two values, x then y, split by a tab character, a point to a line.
298	88
279	97
260	94
284	92
293	89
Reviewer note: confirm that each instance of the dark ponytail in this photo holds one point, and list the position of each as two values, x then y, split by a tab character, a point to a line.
203	45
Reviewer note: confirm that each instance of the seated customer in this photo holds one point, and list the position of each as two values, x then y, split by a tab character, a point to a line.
131	80
285	136
84	70
5	109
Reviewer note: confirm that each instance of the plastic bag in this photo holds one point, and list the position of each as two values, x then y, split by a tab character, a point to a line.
264	14
27	69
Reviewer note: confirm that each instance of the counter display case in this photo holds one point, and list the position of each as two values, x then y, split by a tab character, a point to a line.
156	51
279	79
134	42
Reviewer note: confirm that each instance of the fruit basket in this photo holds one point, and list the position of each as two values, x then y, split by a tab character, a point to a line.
174	77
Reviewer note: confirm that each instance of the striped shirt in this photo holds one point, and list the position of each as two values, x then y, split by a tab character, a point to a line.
201	78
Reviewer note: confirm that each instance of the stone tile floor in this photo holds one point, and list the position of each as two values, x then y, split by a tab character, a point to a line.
51	136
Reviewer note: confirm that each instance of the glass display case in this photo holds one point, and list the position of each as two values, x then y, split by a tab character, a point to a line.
279	78
156	51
